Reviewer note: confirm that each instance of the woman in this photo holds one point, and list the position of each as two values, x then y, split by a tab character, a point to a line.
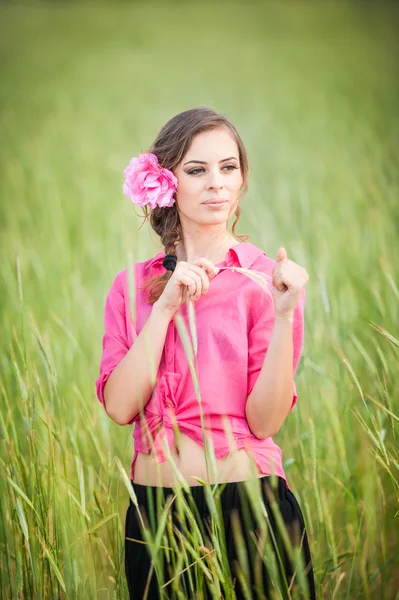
249	343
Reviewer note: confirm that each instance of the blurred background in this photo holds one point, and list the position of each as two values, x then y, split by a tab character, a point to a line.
313	89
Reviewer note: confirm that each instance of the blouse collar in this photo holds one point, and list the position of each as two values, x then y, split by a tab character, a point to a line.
243	254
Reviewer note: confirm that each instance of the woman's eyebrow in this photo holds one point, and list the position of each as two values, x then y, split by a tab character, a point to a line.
202	162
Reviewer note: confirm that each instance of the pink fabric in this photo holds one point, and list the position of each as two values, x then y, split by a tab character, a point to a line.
234	324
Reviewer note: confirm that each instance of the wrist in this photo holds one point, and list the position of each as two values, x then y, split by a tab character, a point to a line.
163	310
284	317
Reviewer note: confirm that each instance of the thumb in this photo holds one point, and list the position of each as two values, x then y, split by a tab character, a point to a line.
281	254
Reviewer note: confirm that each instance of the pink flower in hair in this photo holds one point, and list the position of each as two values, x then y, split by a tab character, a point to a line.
148	183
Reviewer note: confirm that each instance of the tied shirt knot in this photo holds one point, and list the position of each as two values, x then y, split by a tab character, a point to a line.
160	420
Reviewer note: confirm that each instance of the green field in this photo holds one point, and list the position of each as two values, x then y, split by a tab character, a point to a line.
314	91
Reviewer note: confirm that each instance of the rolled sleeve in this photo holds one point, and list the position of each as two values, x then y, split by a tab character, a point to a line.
259	338
115	340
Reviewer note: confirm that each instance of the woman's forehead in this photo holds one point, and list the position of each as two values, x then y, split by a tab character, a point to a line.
213	145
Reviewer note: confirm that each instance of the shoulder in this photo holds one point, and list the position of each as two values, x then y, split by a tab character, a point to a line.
264	263
264	301
115	294
121	278
253	257
120	283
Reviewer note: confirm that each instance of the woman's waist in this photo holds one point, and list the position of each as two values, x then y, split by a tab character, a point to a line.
192	460
223	464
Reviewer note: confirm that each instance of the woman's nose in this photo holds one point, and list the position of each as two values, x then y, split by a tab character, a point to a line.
215	180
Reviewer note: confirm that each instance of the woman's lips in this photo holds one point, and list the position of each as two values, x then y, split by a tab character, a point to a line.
215	201
215	204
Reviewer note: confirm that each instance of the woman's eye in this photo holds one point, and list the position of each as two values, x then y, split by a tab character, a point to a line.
195	171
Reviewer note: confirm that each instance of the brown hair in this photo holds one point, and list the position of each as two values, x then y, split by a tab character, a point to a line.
170	147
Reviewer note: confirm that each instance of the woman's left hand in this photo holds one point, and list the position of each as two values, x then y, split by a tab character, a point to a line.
288	281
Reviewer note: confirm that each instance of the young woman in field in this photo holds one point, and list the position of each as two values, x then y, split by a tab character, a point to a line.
249	344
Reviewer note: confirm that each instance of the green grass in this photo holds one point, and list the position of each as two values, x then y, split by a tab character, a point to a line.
313	89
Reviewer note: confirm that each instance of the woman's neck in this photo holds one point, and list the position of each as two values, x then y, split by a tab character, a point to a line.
215	251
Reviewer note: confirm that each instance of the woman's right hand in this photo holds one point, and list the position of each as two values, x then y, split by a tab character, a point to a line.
189	281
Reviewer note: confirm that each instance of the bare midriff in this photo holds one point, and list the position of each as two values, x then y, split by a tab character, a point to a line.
189	458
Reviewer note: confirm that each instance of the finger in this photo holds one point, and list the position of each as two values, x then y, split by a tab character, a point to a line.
278	282
184	274
281	254
208	265
198	285
204	276
276	273
189	281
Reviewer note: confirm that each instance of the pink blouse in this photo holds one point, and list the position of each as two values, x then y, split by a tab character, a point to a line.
234	323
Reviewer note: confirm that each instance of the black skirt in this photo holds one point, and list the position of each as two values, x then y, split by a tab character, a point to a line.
274	540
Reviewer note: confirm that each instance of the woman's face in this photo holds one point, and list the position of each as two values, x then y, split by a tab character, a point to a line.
210	170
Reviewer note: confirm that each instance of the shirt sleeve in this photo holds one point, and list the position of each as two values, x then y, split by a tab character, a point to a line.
115	340
259	337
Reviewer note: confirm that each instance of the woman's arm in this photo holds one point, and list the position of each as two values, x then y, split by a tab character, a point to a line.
270	400
271	397
129	387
